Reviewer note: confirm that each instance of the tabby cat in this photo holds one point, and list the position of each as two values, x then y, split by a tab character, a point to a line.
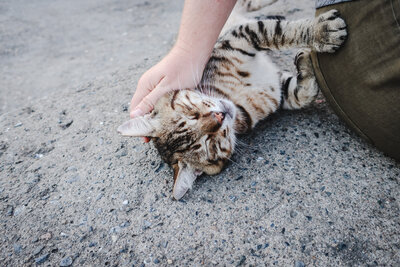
195	130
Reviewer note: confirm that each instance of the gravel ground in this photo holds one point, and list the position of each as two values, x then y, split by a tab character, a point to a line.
302	189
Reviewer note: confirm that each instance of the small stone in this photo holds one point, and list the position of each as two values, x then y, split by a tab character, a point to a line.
299	264
17	248
169	261
164	244
293	214
242	261
125	224
125	202
46	236
19	124
309	218
239	178
41	259
156	261
19	210
38	250
72	169
114	238
67	261
146	224
92	244
74	179
10	211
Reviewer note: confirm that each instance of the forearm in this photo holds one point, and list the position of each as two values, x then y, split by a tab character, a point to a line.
201	24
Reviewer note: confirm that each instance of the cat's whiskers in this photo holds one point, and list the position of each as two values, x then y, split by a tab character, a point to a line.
234	162
241	144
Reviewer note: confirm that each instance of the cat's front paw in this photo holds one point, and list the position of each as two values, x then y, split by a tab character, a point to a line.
329	32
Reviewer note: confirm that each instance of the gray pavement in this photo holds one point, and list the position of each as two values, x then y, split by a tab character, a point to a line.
302	189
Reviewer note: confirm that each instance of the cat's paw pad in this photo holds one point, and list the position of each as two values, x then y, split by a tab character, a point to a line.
330	32
303	64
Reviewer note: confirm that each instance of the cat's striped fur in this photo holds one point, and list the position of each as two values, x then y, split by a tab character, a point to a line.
195	129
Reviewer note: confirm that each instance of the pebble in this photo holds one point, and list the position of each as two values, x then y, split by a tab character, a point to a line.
17	248
299	264
169	261
10	211
146	224
92	244
19	210
114	238
72	169
74	179
242	261
293	214
125	202
67	261
156	261
46	236
41	259
38	250
125	224
19	124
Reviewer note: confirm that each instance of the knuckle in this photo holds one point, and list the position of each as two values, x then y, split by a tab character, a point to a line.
147	102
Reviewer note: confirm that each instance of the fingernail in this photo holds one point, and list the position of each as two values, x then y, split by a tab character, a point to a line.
137	113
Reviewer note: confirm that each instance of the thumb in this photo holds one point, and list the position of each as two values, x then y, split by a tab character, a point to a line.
148	102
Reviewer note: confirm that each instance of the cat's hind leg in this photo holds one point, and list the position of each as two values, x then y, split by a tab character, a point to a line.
299	91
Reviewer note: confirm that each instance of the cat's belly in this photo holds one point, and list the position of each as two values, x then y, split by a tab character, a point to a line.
259	91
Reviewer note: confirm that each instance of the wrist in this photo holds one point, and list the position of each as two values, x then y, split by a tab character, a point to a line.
198	54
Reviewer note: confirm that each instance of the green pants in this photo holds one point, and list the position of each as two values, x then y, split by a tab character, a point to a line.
361	81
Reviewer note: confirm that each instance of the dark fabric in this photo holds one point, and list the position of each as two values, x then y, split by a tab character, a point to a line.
361	81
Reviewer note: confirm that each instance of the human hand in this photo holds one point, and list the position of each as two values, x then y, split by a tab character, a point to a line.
184	65
179	69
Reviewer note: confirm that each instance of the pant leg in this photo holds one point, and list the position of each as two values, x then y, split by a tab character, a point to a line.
361	81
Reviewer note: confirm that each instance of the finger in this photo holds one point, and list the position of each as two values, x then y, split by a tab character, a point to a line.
145	85
148	102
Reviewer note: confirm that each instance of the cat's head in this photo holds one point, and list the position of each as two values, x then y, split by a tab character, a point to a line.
193	132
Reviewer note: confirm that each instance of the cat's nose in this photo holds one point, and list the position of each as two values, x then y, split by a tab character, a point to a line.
220	116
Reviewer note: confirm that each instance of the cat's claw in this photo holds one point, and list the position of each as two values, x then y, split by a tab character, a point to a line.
330	32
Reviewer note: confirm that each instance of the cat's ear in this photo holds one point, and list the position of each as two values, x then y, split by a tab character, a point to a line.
184	176
140	126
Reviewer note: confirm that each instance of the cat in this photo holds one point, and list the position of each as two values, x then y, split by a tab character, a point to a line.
195	129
